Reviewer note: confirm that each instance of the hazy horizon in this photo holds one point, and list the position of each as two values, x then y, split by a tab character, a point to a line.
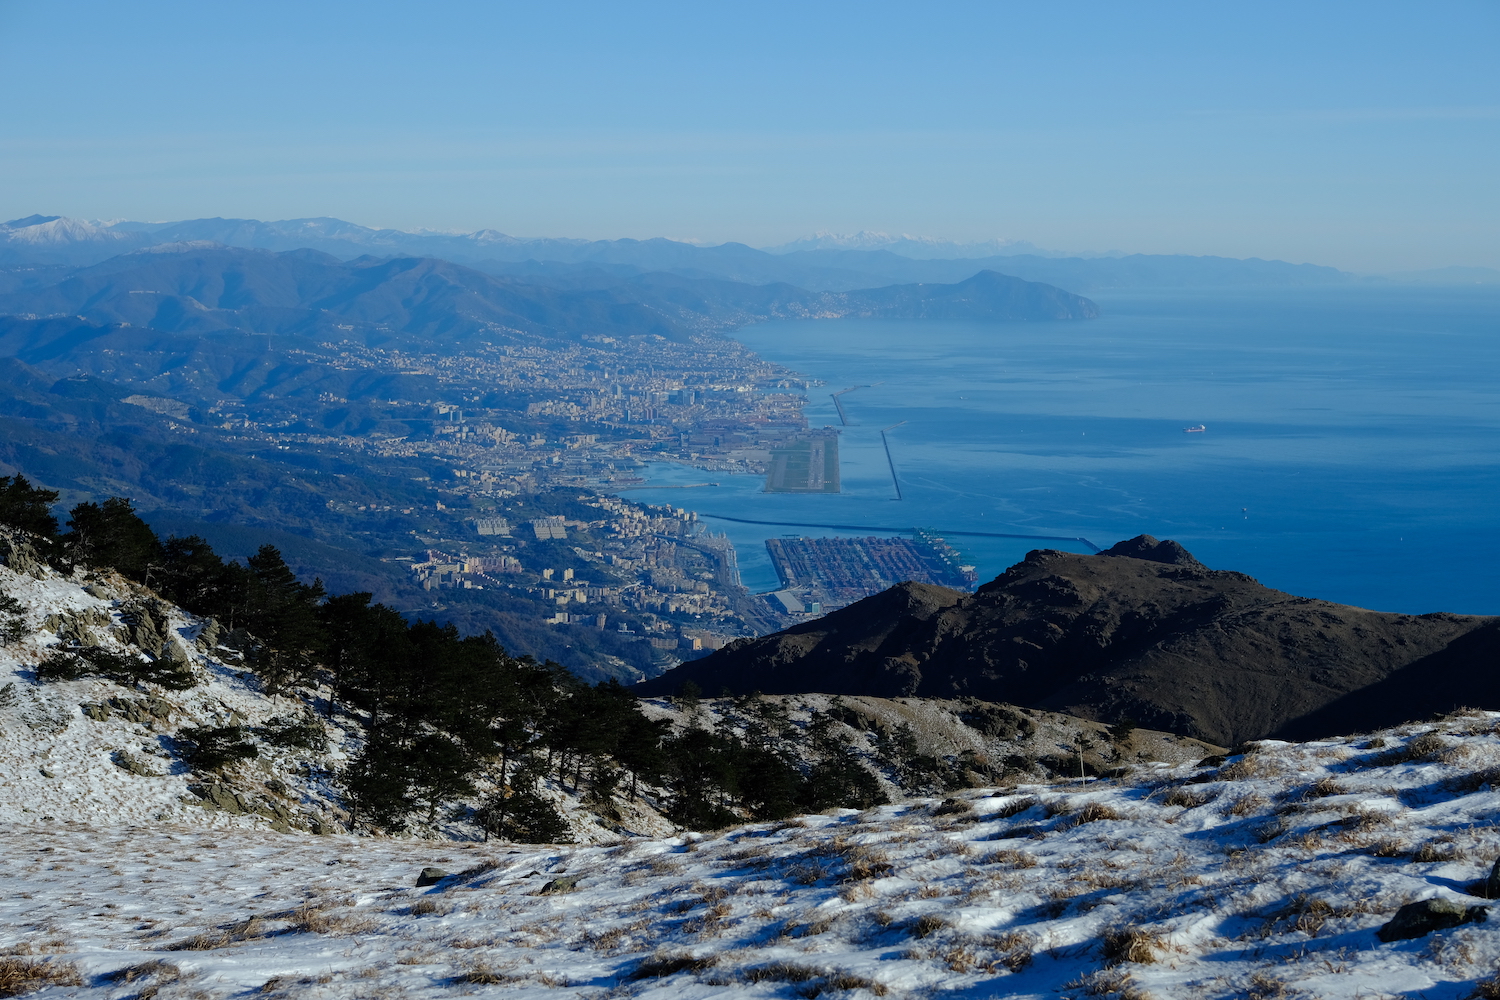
1358	136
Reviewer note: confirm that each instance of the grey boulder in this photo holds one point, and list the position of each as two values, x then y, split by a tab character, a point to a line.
1421	918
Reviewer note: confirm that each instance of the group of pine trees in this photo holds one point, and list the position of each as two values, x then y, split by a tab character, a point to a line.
446	715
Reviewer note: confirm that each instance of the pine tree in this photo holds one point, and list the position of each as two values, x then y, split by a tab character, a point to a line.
518	813
283	616
378	785
12	620
112	535
26	507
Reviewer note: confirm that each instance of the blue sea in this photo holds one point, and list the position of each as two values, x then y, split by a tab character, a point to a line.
1351	448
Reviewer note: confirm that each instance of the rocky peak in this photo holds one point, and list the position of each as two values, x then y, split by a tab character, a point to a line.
1154	550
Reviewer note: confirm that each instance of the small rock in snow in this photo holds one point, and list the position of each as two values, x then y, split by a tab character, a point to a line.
431	876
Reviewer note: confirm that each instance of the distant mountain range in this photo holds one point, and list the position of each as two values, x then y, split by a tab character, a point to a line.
203	288
925	247
821	263
1142	632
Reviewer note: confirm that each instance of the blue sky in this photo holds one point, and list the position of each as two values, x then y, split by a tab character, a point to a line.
1365	135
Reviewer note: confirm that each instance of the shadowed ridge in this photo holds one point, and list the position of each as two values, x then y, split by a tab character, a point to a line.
1143	631
846	645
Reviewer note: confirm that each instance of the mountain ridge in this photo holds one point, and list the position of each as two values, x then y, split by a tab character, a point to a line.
206	288
1141	632
816	265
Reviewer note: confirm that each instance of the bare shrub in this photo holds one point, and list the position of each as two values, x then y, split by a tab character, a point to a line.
423	907
952	807
24	975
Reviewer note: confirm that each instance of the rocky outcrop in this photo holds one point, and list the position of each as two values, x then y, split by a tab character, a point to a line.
1142	632
220	797
19	552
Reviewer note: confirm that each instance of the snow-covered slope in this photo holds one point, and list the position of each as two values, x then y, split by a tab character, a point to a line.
1264	877
96	752
1264	874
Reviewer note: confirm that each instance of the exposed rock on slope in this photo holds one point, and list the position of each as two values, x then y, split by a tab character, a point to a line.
1143	631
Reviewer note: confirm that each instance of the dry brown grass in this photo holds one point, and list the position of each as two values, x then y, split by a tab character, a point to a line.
1113	982
481	974
315	920
1239	770
1015	859
1437	851
1424	747
1015	807
856	892
1094	812
1247	805
1132	944
24	975
866	863
662	965
781	972
1322	789
927	925
1487	989
211	940
1187	798
156	970
1016	948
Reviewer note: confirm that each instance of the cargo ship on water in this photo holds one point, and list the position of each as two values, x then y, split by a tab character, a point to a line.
1195	429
